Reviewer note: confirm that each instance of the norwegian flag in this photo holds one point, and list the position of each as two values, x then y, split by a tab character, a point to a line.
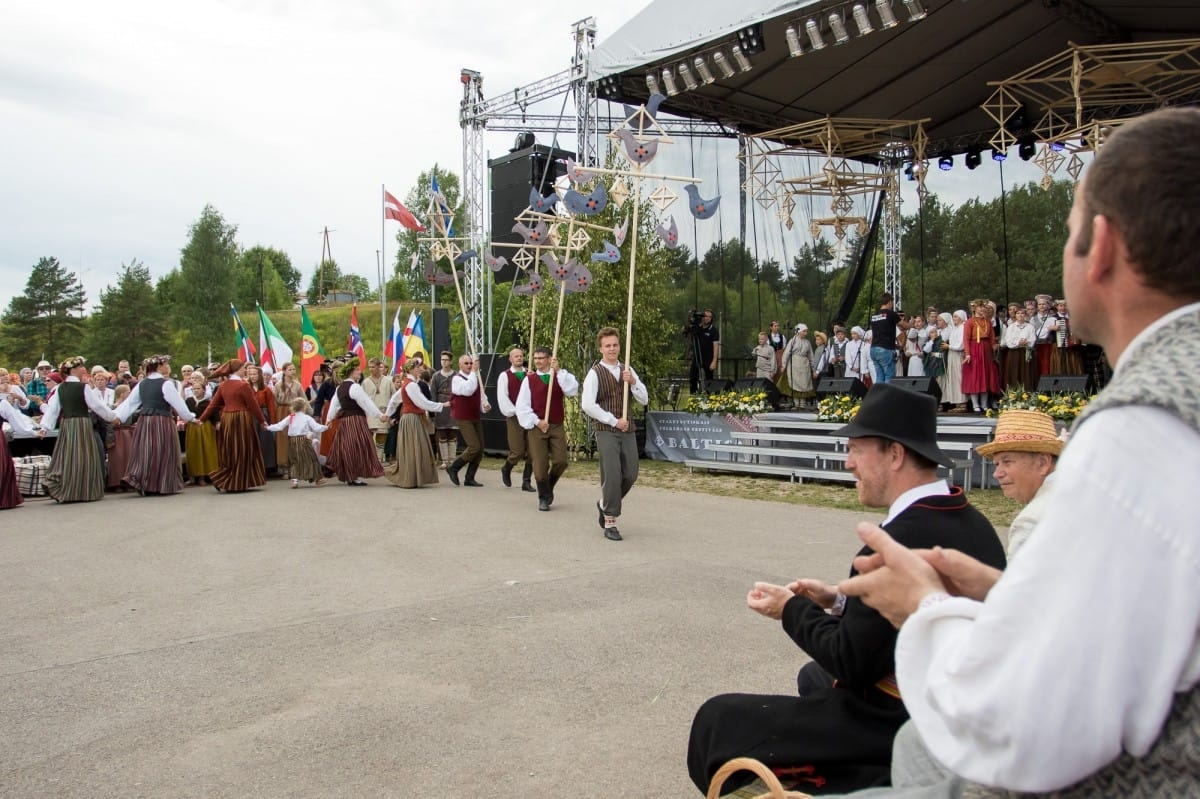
354	344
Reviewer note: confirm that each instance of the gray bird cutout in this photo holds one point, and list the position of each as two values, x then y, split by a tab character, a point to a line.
638	151
609	255
576	174
650	109
586	205
437	277
620	230
542	204
531	288
532	235
559	270
669	234
579	281
701	208
465	256
495	263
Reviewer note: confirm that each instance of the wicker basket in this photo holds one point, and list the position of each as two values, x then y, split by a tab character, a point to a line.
774	787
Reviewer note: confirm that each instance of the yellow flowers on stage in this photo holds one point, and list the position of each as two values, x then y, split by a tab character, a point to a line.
1064	406
746	402
837	408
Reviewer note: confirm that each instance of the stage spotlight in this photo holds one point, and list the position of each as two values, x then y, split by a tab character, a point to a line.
740	57
861	20
685	72
814	35
886	17
793	41
946	162
723	65
1026	147
908	171
706	76
916	11
750	40
1057	146
999	155
668	79
973	157
839	28
652	83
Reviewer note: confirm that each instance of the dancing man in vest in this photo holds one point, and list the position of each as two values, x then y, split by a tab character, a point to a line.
547	439
508	385
468	403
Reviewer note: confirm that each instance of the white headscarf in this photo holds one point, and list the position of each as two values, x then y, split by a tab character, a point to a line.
961	315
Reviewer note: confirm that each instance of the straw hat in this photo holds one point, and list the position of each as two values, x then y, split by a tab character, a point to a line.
1023	431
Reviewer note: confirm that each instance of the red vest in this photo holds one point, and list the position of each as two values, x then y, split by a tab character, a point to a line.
465	409
537	398
406	403
514	385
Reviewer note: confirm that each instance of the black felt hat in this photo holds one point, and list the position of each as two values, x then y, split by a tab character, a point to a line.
899	415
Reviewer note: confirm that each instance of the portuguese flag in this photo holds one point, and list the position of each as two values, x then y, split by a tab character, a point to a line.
311	354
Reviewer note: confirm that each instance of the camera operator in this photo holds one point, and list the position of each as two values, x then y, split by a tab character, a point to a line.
704	346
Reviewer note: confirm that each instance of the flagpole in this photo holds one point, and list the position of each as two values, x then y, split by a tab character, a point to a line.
382	259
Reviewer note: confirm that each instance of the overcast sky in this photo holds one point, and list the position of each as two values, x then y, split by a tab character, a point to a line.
122	120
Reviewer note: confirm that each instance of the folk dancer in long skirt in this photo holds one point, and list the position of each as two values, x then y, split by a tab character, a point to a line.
301	430
413	467
238	448
154	468
352	456
10	492
200	440
76	471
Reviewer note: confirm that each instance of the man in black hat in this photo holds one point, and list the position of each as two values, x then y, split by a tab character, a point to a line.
838	732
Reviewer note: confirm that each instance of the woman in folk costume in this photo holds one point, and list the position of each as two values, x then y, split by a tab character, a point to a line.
238	448
858	354
154	467
200	440
414	466
287	389
10	492
934	363
1019	340
120	450
980	378
352	455
266	404
796	379
393	415
952	350
301	430
76	471
322	390
913	343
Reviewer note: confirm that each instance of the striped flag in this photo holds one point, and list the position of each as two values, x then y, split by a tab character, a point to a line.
245	346
395	210
414	338
395	345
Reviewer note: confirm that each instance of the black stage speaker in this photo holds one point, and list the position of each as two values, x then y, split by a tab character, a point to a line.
842	385
772	390
495	429
716	385
1058	383
921	385
441	339
512	176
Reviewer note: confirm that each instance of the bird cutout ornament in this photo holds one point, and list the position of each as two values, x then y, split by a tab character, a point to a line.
586	205
609	255
644	115
543	205
559	270
701	208
437	277
535	235
530	289
620	230
579	280
464	256
577	174
639	152
495	263
669	234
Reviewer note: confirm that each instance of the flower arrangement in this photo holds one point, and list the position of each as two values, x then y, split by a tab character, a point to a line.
738	403
837	408
1065	405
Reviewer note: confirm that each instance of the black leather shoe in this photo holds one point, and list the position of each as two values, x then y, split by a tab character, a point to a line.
527	486
471	481
543	504
600	520
506	474
612	534
452	473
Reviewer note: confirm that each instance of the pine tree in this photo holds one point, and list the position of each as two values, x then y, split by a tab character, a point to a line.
206	282
130	324
47	320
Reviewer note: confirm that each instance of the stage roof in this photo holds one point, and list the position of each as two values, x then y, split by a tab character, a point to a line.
938	67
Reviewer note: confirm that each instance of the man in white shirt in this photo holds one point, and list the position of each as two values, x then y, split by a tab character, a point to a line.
508	385
616	441
1057	675
378	387
539	410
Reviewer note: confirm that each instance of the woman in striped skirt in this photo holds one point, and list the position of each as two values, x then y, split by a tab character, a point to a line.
76	471
414	466
238	449
352	455
10	493
154	468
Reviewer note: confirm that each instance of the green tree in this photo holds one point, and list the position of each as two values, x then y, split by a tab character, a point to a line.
129	322
261	272
329	277
417	200
48	318
206	284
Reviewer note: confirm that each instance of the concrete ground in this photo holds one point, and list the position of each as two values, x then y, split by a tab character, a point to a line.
381	642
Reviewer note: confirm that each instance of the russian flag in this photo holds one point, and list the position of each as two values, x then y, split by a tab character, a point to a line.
395	344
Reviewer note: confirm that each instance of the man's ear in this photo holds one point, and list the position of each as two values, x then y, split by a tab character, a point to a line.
1107	246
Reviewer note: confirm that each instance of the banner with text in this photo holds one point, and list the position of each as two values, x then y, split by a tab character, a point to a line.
677	436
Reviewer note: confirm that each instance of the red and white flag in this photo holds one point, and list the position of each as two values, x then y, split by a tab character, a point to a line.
394	209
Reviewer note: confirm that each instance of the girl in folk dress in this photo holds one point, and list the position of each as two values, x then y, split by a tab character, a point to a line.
301	431
287	389
858	354
238	448
413	467
352	455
